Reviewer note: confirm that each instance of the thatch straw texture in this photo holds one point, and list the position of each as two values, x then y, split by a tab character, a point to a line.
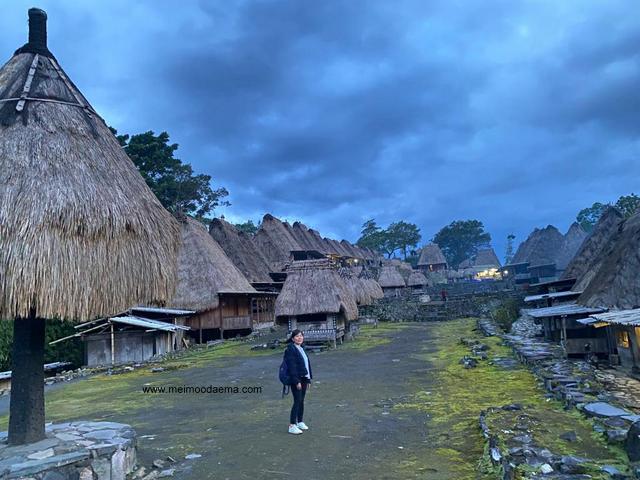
204	270
417	279
241	250
572	241
616	283
303	237
588	258
390	277
541	247
357	287
315	286
275	242
351	250
373	288
81	234
486	258
431	255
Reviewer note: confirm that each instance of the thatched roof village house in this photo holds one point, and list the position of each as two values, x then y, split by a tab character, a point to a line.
590	255
391	281
432	259
242	251
572	242
81	236
417	281
210	284
316	299
275	242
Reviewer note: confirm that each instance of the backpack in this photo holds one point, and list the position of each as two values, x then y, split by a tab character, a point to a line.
283	375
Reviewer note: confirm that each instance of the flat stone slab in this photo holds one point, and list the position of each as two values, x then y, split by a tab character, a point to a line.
602	409
87	444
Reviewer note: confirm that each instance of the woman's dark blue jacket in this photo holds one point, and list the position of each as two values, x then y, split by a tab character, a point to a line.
295	365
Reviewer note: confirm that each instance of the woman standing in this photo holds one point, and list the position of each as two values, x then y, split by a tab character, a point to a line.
300	376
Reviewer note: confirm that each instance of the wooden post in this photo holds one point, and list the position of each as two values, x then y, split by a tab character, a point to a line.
200	328
113	346
26	408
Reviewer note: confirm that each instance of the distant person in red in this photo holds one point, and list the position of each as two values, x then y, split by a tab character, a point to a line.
443	295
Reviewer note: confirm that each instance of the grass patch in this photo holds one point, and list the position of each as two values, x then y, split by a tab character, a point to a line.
370	336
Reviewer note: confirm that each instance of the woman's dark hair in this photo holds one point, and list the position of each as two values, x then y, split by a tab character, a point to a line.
293	334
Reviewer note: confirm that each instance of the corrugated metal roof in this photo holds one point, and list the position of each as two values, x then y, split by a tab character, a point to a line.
620	317
147	323
560	310
168	311
554	295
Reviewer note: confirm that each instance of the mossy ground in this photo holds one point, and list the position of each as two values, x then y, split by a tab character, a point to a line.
454	403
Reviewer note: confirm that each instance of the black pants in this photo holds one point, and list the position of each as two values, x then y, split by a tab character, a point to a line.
297	410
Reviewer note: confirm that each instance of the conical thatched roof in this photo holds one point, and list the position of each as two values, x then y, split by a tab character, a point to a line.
616	283
352	251
431	255
314	286
417	279
275	242
390	277
572	241
81	234
486	258
590	255
204	270
541	247
357	287
241	250
403	267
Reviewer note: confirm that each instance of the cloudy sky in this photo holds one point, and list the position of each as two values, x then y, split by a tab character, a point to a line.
515	113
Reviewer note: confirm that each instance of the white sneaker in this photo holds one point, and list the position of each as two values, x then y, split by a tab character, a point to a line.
302	426
294	430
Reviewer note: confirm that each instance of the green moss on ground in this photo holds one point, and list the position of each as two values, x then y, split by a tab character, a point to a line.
458	396
370	336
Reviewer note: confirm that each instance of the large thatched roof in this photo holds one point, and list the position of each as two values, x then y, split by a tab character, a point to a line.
204	270
616	284
315	286
241	250
541	247
431	255
587	260
486	258
81	234
303	237
372	287
572	241
275	242
390	277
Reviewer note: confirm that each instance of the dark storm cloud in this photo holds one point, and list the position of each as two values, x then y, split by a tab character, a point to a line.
515	113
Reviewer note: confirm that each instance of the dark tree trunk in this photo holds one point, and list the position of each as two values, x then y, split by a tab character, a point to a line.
26	410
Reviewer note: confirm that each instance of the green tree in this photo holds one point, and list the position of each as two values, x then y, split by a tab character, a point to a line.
400	236
509	253
628	204
177	187
588	217
461	239
372	236
248	227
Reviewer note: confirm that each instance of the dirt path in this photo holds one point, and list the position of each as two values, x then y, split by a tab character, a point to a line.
354	431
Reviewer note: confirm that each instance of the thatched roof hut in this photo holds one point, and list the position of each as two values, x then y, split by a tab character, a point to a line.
81	234
303	237
541	247
587	260
431	255
390	277
315	286
486	258
204	270
241	250
615	282
417	279
572	241
275	242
